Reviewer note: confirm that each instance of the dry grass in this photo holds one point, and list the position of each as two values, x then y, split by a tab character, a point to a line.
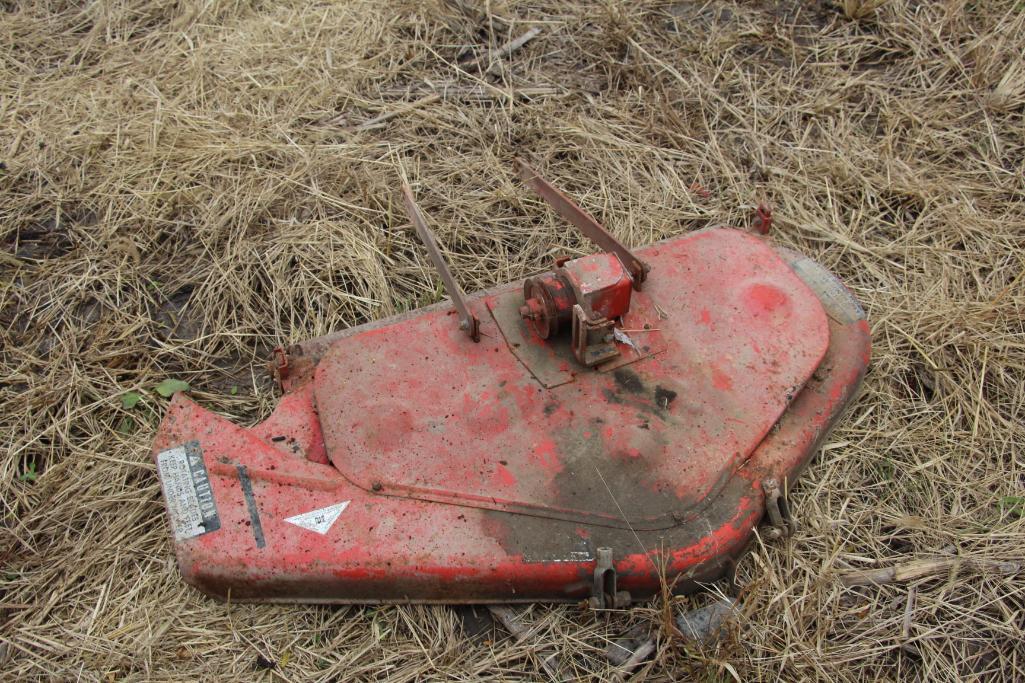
185	188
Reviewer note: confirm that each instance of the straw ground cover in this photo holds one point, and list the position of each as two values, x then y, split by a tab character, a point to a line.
186	185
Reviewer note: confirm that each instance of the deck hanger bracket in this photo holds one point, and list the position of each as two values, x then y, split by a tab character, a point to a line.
468	322
604	594
781	522
584	222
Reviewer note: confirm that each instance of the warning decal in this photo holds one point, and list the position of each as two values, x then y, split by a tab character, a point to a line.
319	521
186	485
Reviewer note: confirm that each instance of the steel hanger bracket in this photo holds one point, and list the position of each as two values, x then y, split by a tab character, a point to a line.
468	322
594	230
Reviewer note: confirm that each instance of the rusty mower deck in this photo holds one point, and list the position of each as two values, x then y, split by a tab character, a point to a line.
626	419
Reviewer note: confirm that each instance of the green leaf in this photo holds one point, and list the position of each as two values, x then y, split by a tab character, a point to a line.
168	387
30	472
130	400
1013	504
234	390
127	426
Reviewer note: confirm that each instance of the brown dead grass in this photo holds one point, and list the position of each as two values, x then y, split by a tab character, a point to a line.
185	188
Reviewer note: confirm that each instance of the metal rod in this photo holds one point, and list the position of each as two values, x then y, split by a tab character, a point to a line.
468	322
565	207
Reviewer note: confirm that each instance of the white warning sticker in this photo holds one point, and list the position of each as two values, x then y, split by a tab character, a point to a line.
319	521
186	485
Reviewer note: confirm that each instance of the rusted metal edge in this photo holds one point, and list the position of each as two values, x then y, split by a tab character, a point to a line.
468	322
565	207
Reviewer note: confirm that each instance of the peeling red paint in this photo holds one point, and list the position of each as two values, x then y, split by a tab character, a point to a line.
720	380
546	455
765	298
503	477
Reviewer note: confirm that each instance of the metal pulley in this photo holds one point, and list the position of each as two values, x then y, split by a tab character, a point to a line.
548	303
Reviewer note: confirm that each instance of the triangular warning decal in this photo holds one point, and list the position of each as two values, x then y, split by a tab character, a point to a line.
319	521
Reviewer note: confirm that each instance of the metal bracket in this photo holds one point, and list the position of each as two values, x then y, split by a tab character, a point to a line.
603	592
781	521
565	207
592	342
278	365
468	322
763	219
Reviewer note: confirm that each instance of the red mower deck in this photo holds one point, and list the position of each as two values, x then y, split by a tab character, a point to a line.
408	463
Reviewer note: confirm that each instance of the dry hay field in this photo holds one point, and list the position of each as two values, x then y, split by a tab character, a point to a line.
185	186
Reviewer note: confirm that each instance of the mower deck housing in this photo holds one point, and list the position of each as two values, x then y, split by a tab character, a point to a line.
406	463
